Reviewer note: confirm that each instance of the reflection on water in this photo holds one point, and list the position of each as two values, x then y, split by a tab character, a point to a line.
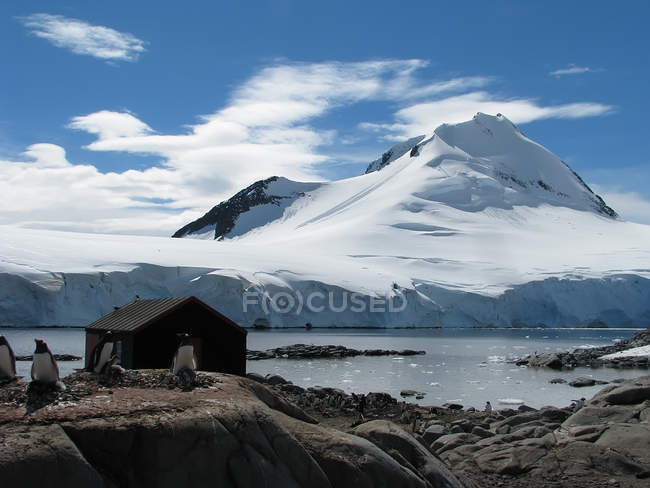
461	365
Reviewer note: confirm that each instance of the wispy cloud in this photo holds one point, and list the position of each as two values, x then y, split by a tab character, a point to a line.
83	38
269	126
422	118
573	69
630	205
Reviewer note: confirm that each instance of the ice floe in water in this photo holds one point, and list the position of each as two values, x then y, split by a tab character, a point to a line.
496	359
510	401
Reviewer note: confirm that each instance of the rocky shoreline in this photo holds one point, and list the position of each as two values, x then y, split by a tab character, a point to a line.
144	428
311	351
605	442
57	357
140	429
592	357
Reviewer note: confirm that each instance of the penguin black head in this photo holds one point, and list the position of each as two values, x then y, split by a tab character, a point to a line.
185	339
41	346
3	341
108	336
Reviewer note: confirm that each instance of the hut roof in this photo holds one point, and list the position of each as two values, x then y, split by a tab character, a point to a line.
140	314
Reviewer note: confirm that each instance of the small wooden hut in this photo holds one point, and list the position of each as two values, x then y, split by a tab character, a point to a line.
146	332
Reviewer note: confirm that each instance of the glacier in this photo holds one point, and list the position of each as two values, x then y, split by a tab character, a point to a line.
471	225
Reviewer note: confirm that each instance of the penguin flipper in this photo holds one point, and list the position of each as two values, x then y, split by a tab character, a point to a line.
195	362
55	366
32	371
109	364
13	359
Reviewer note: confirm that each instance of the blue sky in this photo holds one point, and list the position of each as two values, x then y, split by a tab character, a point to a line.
139	116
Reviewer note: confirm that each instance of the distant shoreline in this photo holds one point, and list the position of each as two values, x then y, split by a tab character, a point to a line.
360	327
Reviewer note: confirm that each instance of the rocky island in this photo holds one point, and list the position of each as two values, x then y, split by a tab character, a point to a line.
311	351
628	353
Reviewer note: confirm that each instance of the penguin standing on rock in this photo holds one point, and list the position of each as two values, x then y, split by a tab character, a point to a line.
44	367
103	354
7	361
184	357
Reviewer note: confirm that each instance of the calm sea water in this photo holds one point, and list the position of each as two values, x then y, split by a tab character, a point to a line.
467	366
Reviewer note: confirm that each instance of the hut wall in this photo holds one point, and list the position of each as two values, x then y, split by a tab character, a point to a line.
223	348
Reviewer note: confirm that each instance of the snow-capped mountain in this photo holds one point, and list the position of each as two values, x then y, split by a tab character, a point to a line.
254	206
471	225
486	162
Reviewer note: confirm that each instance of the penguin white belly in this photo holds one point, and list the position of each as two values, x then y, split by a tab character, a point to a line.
44	369
104	356
184	359
6	364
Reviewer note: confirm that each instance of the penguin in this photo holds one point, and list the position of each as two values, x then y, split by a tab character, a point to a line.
488	407
7	360
103	353
44	367
578	404
184	357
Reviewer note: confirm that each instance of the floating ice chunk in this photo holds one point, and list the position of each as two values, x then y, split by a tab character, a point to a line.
636	352
510	401
497	359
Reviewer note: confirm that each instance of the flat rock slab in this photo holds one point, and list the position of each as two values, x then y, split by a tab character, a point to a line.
406	450
633	439
30	455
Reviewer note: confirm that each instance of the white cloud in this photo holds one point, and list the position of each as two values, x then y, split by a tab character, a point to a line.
47	156
572	69
110	125
630	205
268	127
423	117
83	38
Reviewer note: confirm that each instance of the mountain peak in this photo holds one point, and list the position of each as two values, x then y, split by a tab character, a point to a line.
493	146
259	203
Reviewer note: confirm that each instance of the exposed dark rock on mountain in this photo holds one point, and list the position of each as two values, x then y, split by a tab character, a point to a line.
396	152
601	206
224	215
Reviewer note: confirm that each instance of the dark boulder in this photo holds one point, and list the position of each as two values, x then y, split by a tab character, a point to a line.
582	382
